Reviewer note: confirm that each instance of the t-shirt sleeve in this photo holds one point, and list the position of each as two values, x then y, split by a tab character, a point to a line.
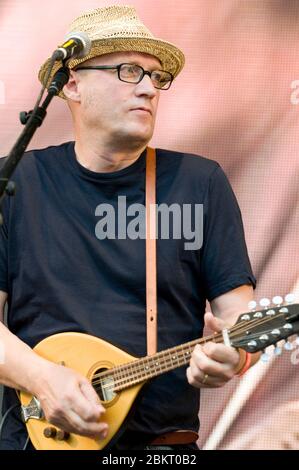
4	242
225	263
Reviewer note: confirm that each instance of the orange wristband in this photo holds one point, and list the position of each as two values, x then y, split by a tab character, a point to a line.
246	366
242	360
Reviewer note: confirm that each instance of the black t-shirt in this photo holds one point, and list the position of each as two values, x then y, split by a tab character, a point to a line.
60	276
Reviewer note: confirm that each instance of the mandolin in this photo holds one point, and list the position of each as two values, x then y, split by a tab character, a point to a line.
118	377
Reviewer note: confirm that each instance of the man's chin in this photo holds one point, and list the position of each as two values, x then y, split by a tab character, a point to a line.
136	137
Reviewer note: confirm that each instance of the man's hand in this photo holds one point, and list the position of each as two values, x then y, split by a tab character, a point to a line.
69	401
212	365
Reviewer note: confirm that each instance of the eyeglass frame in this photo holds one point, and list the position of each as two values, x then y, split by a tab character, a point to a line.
118	67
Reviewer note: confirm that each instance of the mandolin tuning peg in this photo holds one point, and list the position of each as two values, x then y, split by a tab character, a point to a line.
277	300
265	303
252	305
277	351
290	298
265	357
288	346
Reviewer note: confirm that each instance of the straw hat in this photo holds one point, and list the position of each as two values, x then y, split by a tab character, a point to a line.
118	29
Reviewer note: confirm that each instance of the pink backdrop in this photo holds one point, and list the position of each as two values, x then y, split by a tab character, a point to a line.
234	103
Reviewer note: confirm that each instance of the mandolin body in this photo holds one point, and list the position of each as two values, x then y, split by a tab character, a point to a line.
85	354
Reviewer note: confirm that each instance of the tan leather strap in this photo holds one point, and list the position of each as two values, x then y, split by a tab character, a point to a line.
151	256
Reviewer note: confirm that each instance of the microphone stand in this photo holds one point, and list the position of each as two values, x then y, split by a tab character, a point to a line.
32	120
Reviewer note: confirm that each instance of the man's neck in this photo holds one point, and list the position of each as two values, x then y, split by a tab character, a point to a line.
104	159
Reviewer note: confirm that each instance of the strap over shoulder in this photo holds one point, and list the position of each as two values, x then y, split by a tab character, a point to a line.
151	252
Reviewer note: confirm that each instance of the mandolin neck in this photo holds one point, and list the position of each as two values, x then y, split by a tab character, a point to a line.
141	370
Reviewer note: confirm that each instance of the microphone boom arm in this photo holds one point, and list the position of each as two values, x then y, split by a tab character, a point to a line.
32	121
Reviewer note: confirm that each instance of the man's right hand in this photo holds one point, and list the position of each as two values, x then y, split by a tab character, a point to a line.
69	401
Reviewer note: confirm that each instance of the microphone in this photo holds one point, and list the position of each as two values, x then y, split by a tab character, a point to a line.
75	45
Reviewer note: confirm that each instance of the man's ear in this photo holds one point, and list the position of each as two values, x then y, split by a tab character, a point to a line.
71	89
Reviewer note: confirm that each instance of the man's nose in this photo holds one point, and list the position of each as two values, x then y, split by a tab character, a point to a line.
146	86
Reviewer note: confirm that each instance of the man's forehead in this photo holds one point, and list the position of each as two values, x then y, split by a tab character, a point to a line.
119	57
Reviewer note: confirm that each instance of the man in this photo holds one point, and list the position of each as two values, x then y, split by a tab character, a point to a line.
58	271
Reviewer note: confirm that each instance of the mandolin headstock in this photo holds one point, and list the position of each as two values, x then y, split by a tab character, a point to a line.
259	328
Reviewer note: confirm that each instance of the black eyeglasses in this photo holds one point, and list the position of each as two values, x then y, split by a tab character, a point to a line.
132	73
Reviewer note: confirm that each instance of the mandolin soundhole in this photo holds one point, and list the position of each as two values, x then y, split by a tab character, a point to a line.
103	384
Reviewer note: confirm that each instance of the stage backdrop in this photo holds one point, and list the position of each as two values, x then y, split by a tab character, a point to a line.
236	102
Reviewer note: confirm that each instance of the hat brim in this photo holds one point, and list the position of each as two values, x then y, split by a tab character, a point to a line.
172	59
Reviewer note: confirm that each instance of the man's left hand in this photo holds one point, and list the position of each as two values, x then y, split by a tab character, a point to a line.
212	365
